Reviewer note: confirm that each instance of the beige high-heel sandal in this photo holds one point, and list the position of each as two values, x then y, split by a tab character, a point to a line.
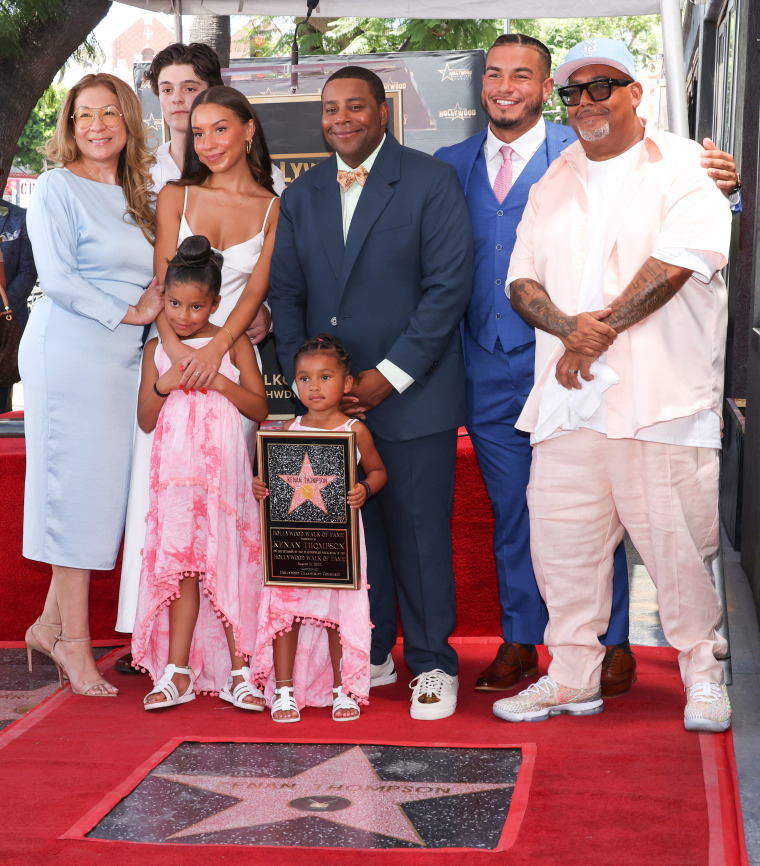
34	643
86	690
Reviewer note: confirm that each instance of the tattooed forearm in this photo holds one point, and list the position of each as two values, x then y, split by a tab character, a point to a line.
652	287
531	301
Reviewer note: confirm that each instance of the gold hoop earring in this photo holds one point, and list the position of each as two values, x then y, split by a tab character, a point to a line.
248	144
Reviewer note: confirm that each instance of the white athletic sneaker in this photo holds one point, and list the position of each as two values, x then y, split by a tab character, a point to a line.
382	675
546	698
434	695
707	708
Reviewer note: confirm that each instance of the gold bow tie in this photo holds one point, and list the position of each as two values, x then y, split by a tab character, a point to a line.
346	178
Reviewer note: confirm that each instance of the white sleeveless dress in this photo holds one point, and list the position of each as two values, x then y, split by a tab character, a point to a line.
239	262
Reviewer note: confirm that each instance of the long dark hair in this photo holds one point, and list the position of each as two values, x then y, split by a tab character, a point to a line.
259	161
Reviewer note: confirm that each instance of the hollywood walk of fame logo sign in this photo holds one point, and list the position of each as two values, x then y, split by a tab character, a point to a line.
310	537
449	74
321	795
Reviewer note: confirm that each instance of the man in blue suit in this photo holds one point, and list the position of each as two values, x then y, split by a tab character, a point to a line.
375	246
20	274
497	168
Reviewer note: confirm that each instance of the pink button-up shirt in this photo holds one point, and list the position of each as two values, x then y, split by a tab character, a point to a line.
671	363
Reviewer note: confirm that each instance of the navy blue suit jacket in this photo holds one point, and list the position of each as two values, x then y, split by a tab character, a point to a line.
397	289
20	273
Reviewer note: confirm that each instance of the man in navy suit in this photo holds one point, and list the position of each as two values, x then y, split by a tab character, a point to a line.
499	350
20	273
375	246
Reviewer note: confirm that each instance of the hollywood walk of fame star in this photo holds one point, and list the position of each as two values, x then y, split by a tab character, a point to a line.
446	73
344	790
307	486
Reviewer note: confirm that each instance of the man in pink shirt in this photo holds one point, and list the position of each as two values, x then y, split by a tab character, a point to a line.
617	267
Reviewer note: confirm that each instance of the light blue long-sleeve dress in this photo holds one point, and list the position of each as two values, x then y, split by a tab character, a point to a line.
80	370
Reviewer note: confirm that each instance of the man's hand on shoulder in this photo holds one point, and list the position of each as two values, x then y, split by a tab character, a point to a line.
720	166
370	389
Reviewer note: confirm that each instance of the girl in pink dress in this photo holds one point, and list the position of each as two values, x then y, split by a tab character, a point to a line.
312	646
202	526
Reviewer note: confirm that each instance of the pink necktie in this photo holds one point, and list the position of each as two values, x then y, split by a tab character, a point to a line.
503	182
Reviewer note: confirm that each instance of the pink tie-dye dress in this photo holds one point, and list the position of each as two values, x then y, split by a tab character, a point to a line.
316	610
203	519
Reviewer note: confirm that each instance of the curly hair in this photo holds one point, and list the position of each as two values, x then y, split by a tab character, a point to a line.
135	159
259	161
327	343
203	59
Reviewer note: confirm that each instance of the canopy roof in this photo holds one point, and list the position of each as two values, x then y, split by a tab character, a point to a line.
408	8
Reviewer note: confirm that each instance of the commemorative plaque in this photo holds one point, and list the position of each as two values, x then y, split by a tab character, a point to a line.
309	535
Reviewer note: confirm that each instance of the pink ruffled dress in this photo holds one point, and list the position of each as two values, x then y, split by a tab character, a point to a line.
203	519
316	610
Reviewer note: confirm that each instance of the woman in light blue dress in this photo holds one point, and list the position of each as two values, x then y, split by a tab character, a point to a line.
91	224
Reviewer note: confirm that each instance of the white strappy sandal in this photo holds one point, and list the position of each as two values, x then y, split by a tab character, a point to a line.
342	701
169	690
242	690
285	702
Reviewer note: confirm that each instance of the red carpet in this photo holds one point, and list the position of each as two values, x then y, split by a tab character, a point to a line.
23	583
628	787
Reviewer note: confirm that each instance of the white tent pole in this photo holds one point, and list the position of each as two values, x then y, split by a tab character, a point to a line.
675	76
177	7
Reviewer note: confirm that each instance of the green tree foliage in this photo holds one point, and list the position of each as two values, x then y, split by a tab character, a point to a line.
641	33
371	35
16	16
39	128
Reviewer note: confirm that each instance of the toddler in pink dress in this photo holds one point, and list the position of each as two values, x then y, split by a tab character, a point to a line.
312	646
202	526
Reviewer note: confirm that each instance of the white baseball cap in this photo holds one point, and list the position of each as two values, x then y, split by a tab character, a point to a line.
607	52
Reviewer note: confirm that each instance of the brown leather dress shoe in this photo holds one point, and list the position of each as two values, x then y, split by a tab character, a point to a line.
618	672
513	662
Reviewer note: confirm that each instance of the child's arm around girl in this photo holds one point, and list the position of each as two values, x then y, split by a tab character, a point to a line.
249	397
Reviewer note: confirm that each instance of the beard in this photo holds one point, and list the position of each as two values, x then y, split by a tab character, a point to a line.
531	112
595	134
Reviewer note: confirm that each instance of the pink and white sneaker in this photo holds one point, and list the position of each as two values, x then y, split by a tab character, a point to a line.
707	708
546	698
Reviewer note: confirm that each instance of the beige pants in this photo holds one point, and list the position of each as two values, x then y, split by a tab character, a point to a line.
584	490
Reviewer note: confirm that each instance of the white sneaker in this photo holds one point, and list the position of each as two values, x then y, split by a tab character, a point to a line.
434	695
382	675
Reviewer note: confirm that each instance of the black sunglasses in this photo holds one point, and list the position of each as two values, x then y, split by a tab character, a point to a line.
599	90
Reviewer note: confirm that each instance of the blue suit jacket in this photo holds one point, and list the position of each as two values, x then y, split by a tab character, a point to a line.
490	314
20	273
397	289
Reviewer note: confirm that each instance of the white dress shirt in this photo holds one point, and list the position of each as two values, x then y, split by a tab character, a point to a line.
349	199
523	149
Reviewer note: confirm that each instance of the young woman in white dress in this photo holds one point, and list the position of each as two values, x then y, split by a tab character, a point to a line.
226	190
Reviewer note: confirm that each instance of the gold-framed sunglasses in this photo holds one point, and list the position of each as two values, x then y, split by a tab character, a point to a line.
84	117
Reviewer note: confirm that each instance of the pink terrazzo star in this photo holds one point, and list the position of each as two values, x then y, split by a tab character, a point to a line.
307	486
373	805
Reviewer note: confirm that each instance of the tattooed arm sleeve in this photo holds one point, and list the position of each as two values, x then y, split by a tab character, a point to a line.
653	286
